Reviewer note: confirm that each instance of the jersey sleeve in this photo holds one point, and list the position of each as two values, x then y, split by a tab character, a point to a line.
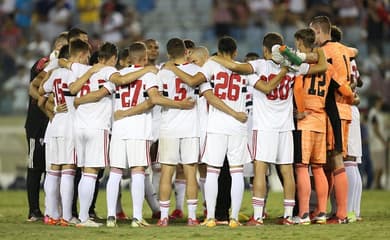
252	79
207	69
48	85
151	80
257	65
204	87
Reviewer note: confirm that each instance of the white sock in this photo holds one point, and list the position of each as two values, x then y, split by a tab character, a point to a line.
164	208
201	188
86	190
112	191
180	189
138	192
45	189
192	204
258	206
150	195
156	181
351	175
66	190
288	207
358	192
211	190
237	190
52	193
119	208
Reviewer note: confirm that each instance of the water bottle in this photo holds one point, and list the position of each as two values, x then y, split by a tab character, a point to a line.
292	57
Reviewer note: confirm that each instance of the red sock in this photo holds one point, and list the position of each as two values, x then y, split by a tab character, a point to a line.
303	188
341	192
321	187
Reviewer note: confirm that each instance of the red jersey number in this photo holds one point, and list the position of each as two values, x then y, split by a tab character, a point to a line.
130	94
229	88
281	91
58	92
181	92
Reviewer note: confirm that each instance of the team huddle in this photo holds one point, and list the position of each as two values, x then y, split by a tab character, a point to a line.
294	109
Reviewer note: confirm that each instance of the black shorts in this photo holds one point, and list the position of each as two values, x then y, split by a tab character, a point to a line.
36	154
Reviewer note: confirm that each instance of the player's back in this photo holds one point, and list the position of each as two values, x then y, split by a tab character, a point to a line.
58	84
272	111
96	115
229	87
130	95
178	122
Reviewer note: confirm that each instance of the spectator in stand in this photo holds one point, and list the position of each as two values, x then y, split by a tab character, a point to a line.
377	17
23	13
89	15
15	88
39	46
366	166
59	18
41	12
111	24
222	17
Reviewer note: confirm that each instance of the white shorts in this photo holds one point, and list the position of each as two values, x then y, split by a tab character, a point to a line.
125	153
178	150
91	147
273	147
354	137
220	145
60	151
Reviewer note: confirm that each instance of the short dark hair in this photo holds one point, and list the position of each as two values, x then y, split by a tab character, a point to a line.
94	58
336	33
227	45
137	50
75	33
307	35
189	43
107	50
323	22
64	52
271	39
123	54
252	56
176	47
77	46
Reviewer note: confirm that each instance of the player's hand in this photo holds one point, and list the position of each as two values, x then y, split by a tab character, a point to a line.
152	69
119	114
187	103
61	108
241	116
96	67
276	55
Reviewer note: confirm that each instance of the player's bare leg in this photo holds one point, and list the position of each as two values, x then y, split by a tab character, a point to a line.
191	192
289	189
202	168
167	172
180	191
259	189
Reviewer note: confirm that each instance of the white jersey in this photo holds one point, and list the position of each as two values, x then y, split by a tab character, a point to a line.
96	115
178	123
58	84
127	96
273	111
53	63
231	89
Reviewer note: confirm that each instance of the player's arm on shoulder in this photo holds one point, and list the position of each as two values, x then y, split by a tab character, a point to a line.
321	65
220	105
127	78
241	68
158	99
138	109
75	86
267	87
41	90
91	97
356	99
192	81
